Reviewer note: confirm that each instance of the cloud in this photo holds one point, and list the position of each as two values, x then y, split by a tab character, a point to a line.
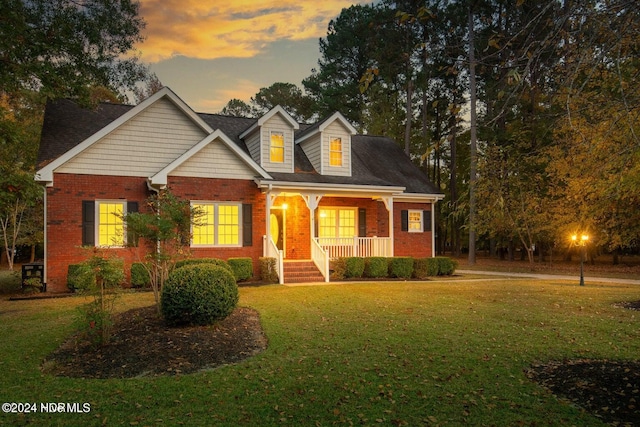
231	28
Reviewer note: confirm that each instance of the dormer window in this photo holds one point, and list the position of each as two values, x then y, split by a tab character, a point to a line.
276	147
335	152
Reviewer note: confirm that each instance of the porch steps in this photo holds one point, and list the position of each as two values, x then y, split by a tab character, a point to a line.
301	271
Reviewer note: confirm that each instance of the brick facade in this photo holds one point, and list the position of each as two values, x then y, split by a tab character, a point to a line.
417	245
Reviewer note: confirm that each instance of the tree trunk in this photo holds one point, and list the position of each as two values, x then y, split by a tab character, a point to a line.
473	142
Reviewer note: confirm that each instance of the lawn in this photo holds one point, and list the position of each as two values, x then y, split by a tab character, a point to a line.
395	353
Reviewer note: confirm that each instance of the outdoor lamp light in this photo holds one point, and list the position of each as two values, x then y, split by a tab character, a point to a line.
582	242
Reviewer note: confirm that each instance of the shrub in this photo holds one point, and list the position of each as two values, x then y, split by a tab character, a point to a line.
140	276
376	267
401	267
242	268
198	294
268	270
195	261
80	277
339	268
354	267
446	266
421	268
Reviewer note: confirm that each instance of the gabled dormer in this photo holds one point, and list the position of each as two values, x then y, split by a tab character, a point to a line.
327	144
270	140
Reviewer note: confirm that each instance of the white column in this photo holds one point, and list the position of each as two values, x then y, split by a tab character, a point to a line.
388	202
433	228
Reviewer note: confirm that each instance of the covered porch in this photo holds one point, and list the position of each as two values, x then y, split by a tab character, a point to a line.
320	223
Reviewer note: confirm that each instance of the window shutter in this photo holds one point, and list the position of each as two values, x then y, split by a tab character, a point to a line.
132	238
426	220
362	222
247	225
404	220
88	223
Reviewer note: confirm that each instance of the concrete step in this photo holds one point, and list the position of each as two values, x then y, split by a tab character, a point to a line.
299	271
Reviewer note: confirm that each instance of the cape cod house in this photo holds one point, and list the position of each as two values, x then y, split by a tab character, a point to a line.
269	186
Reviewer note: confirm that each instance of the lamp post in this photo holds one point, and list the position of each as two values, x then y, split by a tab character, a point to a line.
582	242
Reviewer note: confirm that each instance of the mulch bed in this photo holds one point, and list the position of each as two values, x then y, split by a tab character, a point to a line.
608	389
142	345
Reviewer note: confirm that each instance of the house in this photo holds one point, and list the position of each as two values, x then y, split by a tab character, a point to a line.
269	186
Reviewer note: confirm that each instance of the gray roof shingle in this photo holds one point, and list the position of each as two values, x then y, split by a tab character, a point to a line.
376	160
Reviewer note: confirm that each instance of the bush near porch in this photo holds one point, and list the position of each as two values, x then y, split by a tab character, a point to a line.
392	267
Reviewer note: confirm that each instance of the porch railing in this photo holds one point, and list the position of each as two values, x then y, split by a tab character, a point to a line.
338	247
320	258
270	249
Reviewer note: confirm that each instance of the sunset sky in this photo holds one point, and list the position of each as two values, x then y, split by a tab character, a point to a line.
209	51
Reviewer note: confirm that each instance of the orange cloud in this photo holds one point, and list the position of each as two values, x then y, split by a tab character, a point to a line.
233	28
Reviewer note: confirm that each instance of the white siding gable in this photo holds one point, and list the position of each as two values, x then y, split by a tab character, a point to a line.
336	130
313	149
215	160
141	146
276	123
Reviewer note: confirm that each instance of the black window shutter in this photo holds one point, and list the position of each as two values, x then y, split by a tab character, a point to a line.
404	220
362	222
247	225
426	220
132	238
88	223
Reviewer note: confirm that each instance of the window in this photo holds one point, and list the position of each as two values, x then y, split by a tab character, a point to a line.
337	222
415	221
110	223
276	150
219	224
335	152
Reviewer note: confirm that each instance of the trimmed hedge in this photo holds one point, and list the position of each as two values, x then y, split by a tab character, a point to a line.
446	266
354	267
198	294
376	267
242	268
139	276
339	268
401	267
268	270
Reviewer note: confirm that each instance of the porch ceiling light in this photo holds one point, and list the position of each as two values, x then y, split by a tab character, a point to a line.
285	206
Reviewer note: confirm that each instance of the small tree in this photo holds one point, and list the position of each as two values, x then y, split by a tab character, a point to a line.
165	229
109	276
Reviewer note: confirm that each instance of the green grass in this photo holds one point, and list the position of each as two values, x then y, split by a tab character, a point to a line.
395	353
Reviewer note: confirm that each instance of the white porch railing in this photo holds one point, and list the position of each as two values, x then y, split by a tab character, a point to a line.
338	247
270	249
320	258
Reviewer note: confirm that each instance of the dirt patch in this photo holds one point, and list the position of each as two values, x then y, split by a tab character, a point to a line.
142	345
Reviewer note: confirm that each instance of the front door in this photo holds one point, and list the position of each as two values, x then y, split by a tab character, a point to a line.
277	224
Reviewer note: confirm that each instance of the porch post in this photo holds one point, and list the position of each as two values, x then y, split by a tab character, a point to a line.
433	229
388	202
312	200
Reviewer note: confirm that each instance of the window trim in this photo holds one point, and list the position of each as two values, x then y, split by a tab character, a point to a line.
331	151
97	204
337	224
216	224
272	147
419	229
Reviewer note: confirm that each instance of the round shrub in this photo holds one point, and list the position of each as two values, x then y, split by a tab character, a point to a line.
194	261
139	276
198	294
401	267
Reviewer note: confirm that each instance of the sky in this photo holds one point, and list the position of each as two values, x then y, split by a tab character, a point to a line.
210	51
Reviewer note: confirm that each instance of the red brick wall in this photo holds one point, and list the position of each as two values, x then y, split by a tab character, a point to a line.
417	245
226	190
64	219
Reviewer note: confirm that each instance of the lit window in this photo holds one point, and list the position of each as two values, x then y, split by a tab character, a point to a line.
276	150
415	221
219	225
334	222
335	152
110	223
